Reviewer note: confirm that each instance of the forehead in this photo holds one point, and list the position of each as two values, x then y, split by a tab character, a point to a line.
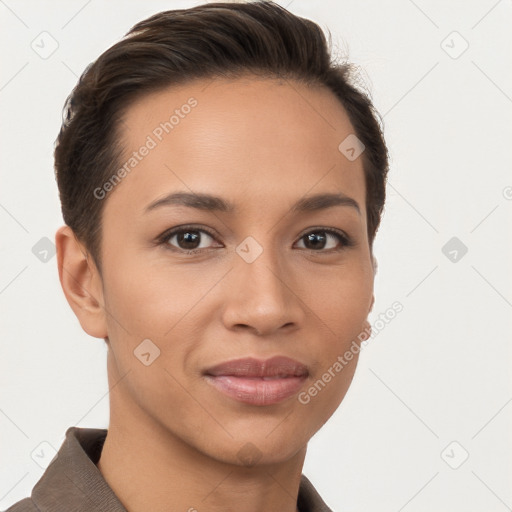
258	140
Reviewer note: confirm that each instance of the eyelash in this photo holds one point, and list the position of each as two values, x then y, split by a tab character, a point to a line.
164	238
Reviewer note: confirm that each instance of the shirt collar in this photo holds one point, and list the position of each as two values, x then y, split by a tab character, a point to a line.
72	482
72	479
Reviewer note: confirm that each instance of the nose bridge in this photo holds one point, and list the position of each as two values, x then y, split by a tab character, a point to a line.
265	274
260	294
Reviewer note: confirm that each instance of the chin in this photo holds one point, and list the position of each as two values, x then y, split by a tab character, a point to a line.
259	450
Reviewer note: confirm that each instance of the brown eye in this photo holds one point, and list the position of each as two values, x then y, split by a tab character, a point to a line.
188	239
323	239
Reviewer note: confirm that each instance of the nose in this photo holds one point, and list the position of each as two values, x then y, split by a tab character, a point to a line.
262	297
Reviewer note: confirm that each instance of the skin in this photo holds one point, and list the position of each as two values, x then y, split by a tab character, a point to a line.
262	144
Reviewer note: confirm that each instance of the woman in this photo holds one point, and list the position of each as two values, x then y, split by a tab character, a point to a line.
221	183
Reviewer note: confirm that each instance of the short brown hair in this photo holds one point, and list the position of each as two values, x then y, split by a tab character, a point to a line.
174	47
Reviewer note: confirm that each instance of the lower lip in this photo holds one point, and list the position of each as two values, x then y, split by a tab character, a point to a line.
256	391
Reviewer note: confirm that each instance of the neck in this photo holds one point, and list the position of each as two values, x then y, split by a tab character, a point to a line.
150	468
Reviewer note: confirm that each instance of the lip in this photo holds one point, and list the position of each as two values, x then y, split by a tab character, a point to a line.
257	381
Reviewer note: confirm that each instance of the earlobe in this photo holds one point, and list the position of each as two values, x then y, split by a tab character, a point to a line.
367	330
367	327
81	283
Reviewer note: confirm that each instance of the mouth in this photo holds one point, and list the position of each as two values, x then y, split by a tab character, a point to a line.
258	382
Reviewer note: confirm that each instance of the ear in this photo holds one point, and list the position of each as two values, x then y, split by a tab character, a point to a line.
81	283
372	303
367	328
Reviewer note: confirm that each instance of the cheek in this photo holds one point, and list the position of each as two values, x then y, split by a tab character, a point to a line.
161	303
149	330
149	299
339	309
341	300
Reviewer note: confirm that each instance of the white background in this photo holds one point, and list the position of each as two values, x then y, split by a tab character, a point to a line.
438	373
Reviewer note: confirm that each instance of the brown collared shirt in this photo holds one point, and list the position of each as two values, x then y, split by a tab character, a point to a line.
73	483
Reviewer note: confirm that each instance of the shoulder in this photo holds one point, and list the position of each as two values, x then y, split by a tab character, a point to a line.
309	500
25	505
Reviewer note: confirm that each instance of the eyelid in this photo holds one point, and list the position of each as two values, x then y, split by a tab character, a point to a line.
346	240
168	234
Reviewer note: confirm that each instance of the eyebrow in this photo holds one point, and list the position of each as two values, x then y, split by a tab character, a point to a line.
208	202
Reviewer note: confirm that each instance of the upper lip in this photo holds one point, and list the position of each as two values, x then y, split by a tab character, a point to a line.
278	366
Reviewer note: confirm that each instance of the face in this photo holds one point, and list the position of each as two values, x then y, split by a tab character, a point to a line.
241	264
